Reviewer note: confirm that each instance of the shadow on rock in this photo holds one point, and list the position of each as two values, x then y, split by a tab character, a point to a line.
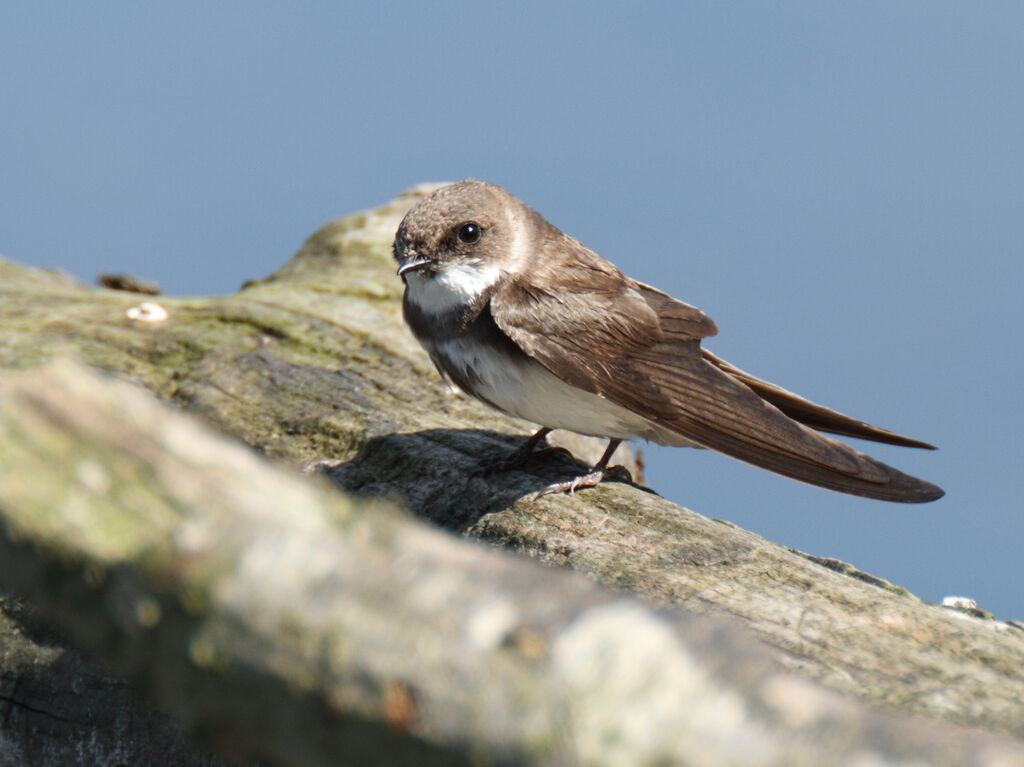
439	474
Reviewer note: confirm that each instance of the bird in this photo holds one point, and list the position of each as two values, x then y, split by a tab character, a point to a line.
527	319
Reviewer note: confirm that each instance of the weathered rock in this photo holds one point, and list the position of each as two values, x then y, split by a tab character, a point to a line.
262	582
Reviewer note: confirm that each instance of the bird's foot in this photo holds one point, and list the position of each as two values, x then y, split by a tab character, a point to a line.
593	479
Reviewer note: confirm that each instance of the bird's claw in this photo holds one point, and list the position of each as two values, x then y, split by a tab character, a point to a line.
592	479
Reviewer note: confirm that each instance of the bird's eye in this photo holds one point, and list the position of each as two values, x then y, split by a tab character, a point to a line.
469	233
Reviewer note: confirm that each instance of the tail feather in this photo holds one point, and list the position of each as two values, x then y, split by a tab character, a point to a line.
810	414
725	414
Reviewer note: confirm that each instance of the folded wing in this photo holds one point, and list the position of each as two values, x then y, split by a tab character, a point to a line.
640	348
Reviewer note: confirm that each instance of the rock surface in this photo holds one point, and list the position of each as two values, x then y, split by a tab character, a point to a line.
281	620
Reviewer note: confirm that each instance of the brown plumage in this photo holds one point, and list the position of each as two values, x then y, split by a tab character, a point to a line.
528	297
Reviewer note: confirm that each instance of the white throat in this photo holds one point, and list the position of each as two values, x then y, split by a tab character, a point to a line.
453	285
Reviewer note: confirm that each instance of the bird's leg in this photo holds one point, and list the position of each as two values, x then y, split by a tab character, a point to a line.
600	472
517	457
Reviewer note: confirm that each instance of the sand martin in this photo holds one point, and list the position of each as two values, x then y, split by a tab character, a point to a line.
527	319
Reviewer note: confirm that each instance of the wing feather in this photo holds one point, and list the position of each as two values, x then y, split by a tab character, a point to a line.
640	348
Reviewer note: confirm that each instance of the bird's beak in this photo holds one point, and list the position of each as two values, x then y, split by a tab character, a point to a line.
415	263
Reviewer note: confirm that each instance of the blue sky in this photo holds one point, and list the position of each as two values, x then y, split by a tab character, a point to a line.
839	186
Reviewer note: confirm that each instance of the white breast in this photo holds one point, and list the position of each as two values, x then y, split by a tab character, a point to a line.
528	390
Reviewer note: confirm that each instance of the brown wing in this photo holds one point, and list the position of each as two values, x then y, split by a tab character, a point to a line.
810	414
640	349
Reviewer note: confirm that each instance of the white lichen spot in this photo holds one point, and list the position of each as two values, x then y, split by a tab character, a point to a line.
91	475
193	537
959	603
147	311
489	625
